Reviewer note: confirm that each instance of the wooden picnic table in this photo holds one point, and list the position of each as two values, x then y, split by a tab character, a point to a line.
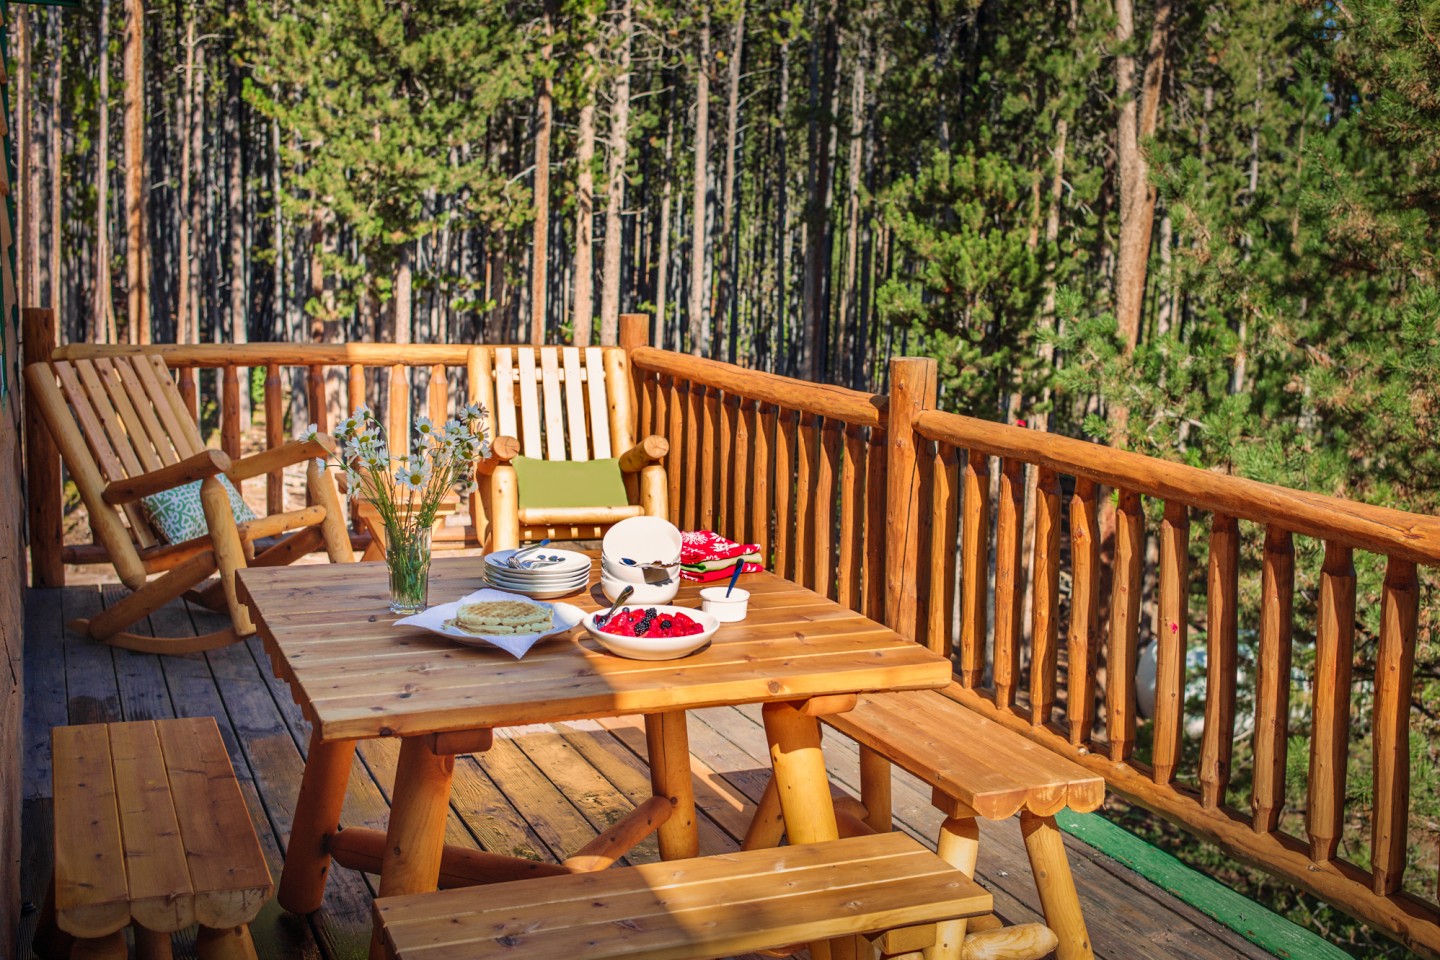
357	676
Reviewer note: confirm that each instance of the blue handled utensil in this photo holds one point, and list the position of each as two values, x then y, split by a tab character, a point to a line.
739	568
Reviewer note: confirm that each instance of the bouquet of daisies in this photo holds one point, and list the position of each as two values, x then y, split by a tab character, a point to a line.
407	486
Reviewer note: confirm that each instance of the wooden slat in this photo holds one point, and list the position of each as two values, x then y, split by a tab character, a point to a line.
1330	741
274	436
162	898
620	397
602	436
506	424
1124	625
1083	636
315	394
550	394
188	392
876	529
974	566
148	413
762	492
91	895
726	477
708	466
108	460
230	411
136	437
1272	684
742	473
676	401
110	421
1394	680
185	412
694	429
852	519
354	387
944	500
1221	639
807	440
1172	632
1045	611
787	422
160	391
398	414
575	405
438	394
227	866
1009	591
827	470
529	405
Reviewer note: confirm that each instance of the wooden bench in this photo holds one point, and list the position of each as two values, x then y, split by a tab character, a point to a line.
150	829
886	886
976	768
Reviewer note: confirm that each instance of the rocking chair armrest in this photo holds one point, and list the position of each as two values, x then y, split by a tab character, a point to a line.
650	450
206	463
290	452
502	451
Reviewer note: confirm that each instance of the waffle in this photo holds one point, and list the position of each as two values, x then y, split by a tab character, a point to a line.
503	617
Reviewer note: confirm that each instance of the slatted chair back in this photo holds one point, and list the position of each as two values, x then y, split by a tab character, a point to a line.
133	421
559	402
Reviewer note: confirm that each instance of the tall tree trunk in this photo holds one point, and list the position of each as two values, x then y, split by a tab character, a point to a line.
137	220
404	295
696	312
1139	112
583	317
57	177
785	246
848	326
187	111
615	184
544	107
724	308
662	260
27	208
235	224
817	221
103	326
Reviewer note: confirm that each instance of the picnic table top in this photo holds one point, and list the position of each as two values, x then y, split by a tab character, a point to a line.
356	675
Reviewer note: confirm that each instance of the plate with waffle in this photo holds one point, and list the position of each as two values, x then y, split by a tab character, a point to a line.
496	618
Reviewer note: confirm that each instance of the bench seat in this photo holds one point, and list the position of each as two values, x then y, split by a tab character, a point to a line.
717	906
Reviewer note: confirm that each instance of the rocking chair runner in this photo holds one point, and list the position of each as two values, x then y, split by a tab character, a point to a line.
124	433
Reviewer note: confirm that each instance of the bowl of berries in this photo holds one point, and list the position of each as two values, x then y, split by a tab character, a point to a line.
660	632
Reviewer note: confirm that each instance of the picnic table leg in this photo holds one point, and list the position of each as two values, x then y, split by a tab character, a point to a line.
317	817
804	789
1056	886
958	845
415	838
668	743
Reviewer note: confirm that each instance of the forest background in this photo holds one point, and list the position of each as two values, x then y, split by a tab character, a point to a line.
1203	230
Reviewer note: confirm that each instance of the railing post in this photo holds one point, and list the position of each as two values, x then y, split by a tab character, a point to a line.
912	389
634	332
42	462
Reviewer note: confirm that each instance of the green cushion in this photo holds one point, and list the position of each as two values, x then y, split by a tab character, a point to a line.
570	483
176	514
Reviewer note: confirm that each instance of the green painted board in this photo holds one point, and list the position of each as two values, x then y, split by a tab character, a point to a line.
1255	923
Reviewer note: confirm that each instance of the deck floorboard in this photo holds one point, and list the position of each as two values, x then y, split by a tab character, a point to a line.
542	792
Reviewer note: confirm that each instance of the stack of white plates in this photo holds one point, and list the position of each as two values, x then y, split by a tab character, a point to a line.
568	574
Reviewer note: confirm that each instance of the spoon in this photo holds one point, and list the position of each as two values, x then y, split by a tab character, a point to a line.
734	577
513	560
624	595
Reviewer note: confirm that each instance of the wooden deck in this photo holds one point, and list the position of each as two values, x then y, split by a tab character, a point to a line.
541	792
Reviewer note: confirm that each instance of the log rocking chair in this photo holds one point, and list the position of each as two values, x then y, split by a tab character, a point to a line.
125	434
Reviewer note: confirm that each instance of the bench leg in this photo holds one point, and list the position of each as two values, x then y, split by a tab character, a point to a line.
1056	886
317	817
110	947
151	945
415	837
875	789
668	743
767	827
959	846
233	943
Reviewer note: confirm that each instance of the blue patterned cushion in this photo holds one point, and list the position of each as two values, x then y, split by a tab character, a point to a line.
177	515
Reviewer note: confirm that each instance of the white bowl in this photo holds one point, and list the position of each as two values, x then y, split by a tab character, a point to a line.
645	593
725	609
655	648
616	570
643	540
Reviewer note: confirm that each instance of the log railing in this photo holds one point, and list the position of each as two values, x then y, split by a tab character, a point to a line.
797	468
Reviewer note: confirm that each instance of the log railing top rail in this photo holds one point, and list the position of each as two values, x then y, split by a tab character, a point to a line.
180	355
820	399
1384	530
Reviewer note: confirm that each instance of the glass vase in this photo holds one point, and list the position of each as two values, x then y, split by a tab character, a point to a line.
408	557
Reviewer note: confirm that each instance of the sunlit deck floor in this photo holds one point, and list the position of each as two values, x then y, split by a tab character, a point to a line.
542	791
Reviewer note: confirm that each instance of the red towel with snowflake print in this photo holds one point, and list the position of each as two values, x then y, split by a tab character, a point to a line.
706	556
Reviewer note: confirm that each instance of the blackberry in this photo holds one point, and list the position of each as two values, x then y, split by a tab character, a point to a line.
645	622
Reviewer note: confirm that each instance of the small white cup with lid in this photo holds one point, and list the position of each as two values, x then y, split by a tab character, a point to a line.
729	609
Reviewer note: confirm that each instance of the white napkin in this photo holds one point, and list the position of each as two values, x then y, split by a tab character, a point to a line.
565	616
